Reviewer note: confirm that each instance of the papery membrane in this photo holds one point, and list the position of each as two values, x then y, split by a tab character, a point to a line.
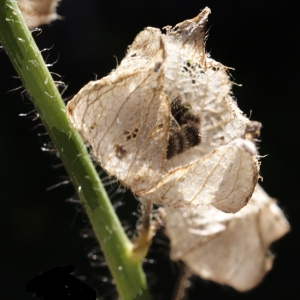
126	118
231	249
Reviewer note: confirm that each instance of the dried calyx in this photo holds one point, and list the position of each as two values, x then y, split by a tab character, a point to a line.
165	125
231	249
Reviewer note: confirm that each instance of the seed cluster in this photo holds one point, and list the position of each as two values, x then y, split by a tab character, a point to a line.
184	129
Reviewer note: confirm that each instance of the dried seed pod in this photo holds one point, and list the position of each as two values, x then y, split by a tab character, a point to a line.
231	249
165	125
38	12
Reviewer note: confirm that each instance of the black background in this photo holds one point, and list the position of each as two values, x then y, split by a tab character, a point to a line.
40	230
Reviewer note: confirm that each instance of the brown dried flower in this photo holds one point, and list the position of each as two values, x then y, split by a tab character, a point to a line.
165	125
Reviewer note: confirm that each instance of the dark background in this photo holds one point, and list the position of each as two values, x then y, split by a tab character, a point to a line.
40	229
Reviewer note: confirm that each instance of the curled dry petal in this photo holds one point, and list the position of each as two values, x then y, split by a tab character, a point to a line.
38	12
231	249
164	123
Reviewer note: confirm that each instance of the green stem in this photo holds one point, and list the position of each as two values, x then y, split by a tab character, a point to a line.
29	64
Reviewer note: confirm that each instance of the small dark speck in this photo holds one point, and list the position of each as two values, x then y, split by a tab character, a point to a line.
120	151
157	66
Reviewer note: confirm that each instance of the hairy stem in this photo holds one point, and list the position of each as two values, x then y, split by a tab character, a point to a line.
29	64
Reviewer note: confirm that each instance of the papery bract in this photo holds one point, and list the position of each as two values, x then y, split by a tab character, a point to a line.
126	119
231	249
